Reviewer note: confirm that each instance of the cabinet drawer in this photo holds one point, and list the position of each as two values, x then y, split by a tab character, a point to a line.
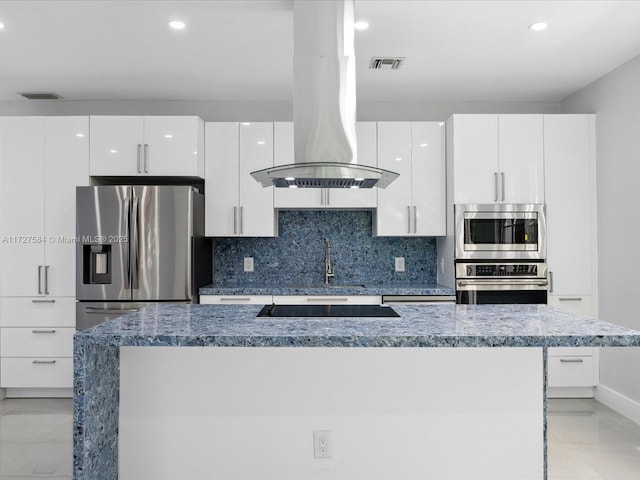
37	342
38	312
571	371
327	299
236	299
35	373
580	304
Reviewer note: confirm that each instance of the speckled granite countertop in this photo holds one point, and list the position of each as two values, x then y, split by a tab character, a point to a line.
418	326
323	290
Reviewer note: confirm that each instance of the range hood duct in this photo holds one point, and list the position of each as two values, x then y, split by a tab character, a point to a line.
324	103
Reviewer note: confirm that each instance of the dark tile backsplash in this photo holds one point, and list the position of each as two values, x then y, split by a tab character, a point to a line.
297	255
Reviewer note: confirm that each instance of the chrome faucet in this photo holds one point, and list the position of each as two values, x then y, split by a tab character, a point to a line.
328	268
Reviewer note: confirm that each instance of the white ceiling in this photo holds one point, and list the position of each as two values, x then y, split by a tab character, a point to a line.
242	50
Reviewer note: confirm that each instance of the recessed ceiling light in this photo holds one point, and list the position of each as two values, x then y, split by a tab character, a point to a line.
361	25
538	26
113	151
168	135
177	24
80	135
1	25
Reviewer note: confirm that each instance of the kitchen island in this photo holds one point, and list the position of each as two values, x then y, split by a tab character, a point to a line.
425	382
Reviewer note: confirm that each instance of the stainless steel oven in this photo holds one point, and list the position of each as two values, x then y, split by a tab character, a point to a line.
501	282
500	232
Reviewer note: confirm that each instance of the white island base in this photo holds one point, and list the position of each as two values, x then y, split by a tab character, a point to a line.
234	413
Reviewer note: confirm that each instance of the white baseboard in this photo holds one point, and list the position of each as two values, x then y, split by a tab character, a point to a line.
618	402
39	393
570	392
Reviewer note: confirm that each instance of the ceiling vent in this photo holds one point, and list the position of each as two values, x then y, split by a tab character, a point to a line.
41	96
386	63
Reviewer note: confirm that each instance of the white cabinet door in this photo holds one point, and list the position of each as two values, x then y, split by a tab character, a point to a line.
22	205
116	146
255	210
174	146
221	179
521	163
475	158
569	203
283	154
237	205
428	191
66	166
393	215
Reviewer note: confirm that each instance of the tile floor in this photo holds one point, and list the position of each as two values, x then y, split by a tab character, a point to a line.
587	441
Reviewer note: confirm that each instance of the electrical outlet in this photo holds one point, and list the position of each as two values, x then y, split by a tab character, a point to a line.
399	264
322	444
248	264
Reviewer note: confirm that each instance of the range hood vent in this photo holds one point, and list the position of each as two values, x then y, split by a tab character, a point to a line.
386	63
324	103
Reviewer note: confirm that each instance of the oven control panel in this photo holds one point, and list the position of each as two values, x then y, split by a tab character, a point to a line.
502	269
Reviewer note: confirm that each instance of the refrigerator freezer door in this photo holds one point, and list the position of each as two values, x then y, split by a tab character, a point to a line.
102	243
89	314
161	245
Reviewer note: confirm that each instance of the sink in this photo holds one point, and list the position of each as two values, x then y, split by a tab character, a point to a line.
322	285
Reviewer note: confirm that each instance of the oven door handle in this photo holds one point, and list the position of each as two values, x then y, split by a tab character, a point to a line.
506	283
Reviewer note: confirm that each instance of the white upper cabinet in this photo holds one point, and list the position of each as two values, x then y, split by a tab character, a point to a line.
235	203
150	145
571	203
38	222
320	198
497	158
414	204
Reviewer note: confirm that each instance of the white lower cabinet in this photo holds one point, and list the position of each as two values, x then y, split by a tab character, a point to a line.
572	371
36	342
236	299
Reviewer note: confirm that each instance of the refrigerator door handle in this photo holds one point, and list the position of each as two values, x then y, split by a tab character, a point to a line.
134	243
96	310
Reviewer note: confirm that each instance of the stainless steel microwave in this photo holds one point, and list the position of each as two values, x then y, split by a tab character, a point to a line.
500	232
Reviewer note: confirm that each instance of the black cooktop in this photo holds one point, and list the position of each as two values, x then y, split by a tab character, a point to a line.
327	311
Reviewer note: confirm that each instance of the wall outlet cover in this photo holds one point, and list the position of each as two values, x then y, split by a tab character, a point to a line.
399	262
248	264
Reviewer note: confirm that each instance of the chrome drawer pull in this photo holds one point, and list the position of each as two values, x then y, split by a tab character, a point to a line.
43	331
570	299
571	360
44	362
43	301
327	299
235	299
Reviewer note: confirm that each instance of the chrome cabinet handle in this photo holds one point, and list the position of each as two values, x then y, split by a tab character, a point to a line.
495	186
46	279
571	360
241	220
235	299
43	331
415	219
328	196
502	175
408	218
321	196
570	299
327	299
139	158
44	362
146	158
40	279
550	282
235	219
42	301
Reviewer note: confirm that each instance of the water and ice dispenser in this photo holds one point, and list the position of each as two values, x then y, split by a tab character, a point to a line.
96	264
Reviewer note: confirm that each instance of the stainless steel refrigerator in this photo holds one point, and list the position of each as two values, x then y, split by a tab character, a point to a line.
138	245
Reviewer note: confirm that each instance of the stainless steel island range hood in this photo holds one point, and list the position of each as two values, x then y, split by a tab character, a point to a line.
324	103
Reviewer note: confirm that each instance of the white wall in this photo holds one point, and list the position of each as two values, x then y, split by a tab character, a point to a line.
615	98
216	111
